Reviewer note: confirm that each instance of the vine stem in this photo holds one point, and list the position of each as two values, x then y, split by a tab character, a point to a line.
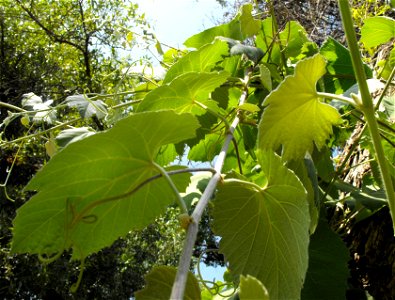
367	104
178	288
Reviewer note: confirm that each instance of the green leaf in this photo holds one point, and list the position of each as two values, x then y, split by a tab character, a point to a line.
377	30
252	288
340	74
231	30
266	77
182	93
249	107
267	41
206	149
241	27
249	25
264	229
87	108
45	113
202	60
293	38
72	135
294	116
85	196
159	283
389	106
327	274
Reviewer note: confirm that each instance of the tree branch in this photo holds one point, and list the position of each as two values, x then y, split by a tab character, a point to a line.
185	259
49	32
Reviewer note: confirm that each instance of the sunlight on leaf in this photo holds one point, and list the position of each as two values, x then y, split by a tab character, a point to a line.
294	116
182	92
377	31
264	229
202	60
86	173
252	288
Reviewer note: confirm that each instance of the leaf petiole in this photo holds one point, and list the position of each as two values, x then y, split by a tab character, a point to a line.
337	97
179	199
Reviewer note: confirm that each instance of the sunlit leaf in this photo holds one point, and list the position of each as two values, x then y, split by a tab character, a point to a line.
241	27
202	60
159	283
230	30
377	30
264	229
252	288
249	25
86	107
182	93
84	198
72	135
45	113
294	116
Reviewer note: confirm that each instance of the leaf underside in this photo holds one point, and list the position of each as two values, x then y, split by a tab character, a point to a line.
294	117
265	230
79	203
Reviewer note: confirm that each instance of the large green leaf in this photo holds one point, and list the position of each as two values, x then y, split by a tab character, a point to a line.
159	284
340	74
294	116
202	60
79	203
231	30
264	229
377	30
241	27
292	38
252	288
183	91
249	25
327	274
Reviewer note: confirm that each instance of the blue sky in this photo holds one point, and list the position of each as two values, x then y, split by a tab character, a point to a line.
174	21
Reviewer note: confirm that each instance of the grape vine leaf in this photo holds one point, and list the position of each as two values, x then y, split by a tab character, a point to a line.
377	30
241	27
86	107
159	284
202	60
183	91
327	274
73	135
249	25
340	74
264	229
85	199
294	116
252	288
